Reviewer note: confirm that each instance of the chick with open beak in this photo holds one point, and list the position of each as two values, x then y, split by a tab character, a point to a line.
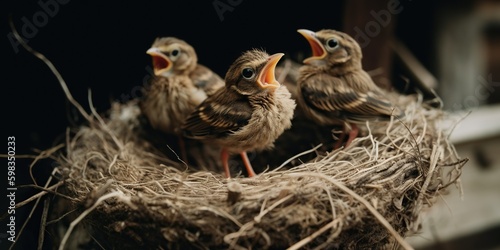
250	113
179	85
333	88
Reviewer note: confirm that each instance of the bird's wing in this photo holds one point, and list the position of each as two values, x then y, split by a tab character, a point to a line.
206	79
218	116
330	94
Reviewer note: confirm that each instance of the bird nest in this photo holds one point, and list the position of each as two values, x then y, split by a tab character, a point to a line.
122	186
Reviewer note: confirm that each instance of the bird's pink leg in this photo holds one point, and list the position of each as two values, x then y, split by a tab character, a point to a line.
224	156
248	166
352	134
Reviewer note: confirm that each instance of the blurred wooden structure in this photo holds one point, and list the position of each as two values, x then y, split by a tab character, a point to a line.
463	67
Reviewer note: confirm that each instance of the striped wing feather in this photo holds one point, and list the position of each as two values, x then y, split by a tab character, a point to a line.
218	116
331	95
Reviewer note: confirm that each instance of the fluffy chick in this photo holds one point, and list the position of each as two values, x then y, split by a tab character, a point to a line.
333	88
179	85
250	113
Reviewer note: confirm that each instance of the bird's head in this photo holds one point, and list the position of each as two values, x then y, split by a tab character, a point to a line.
253	73
331	47
172	56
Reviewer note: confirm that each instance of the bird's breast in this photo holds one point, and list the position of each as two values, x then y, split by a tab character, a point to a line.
168	103
271	116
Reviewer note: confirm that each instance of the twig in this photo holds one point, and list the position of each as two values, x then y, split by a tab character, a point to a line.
103	124
367	204
296	156
221	213
258	218
38	195
60	217
97	242
48	190
42	155
419	155
32	210
43	223
311	237
40	56
435	155
178	157
374	143
84	214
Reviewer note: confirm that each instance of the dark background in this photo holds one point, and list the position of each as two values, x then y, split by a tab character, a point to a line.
101	45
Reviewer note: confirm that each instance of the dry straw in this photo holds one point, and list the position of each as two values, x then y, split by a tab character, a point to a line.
115	189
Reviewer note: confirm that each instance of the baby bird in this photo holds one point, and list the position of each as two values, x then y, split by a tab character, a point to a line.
179	85
249	113
333	88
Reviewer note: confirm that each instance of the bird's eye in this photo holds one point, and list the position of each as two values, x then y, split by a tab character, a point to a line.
247	73
332	43
175	53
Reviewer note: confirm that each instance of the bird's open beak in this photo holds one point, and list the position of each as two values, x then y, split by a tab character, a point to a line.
267	77
161	63
318	51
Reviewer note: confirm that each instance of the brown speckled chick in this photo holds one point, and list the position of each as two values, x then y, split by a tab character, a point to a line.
250	113
180	84
333	88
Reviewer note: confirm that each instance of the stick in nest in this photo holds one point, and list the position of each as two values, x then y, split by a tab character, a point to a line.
359	182
51	151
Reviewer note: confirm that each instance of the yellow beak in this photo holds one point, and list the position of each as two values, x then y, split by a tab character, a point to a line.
161	63
267	77
318	51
